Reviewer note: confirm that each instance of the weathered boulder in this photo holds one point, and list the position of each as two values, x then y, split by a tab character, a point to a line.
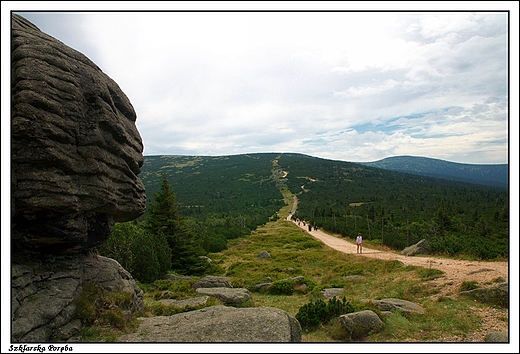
361	324
43	294
329	293
211	281
404	307
263	254
229	296
219	324
421	247
497	295
75	151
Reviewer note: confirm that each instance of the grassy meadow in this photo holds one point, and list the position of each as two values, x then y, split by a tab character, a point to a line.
294	253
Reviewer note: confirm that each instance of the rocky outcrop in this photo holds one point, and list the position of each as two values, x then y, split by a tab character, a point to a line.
219	324
43	294
75	159
75	152
497	295
421	247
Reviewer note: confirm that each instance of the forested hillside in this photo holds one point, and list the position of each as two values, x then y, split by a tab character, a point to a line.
223	197
228	196
399	209
491	175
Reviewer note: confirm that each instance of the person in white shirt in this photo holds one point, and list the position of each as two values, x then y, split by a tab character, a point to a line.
359	243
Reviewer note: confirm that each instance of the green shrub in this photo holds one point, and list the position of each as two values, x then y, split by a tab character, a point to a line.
430	273
145	255
318	311
96	305
469	285
281	287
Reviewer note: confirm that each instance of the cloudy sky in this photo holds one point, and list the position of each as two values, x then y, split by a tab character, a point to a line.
342	85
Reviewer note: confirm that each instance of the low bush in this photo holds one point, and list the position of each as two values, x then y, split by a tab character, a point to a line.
320	312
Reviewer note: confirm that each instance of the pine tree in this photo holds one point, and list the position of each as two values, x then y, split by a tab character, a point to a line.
164	219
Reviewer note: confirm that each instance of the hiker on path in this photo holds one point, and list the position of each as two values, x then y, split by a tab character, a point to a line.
310	227
359	243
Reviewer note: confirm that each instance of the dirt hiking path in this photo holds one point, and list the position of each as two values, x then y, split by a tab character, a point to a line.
456	272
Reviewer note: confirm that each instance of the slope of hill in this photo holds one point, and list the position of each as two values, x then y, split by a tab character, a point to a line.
491	175
396	208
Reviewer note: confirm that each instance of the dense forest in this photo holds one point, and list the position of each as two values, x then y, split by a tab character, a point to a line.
195	204
399	209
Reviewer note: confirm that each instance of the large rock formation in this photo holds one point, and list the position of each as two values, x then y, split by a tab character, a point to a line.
76	151
76	155
44	293
219	324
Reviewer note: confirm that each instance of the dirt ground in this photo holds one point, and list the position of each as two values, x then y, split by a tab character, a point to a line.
456	272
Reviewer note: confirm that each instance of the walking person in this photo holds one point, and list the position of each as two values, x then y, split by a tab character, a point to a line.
359	243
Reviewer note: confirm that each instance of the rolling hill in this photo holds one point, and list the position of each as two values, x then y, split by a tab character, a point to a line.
241	192
491	175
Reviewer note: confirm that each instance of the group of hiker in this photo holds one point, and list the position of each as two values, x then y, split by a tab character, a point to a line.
310	226
359	238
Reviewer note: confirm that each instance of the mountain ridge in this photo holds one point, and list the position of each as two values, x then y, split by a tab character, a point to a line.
496	175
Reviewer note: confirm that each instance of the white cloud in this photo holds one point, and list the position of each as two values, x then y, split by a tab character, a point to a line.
221	83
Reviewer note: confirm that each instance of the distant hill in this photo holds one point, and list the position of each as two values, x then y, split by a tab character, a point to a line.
490	175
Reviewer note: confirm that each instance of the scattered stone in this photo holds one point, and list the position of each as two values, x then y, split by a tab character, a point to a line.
191	302
211	281
497	337
229	296
297	280
405	307
262	287
421	247
361	324
481	270
498	295
331	292
165	294
263	254
500	280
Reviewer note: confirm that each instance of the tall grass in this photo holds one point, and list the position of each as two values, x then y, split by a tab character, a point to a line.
296	253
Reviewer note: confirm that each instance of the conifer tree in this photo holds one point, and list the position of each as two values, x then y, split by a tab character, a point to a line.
164	219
